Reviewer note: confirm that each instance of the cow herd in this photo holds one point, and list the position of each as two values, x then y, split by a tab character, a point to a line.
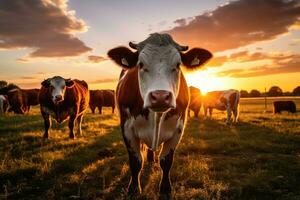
152	97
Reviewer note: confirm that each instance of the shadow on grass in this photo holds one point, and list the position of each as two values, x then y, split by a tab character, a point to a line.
255	161
89	168
213	161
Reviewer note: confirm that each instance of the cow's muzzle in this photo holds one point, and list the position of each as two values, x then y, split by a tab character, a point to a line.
160	100
57	99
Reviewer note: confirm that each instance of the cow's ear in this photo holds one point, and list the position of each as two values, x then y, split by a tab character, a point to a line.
123	57
69	83
46	83
195	57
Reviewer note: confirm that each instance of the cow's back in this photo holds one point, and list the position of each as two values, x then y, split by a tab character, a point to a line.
81	91
76	96
31	96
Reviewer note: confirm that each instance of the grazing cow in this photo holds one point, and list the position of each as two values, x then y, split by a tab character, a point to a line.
3	103
152	97
195	101
279	106
222	100
102	98
20	100
61	99
31	97
16	101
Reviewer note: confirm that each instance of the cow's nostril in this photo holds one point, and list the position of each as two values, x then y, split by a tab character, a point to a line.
58	97
152	96
168	97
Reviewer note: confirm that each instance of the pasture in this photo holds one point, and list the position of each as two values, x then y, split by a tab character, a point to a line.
259	158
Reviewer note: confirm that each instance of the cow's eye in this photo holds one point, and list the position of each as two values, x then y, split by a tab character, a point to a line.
178	65
141	65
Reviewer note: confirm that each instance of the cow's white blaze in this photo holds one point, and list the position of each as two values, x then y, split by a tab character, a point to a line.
58	85
159	70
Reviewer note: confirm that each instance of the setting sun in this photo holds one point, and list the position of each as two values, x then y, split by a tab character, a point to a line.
206	82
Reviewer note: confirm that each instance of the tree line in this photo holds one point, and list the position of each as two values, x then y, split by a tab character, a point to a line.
274	91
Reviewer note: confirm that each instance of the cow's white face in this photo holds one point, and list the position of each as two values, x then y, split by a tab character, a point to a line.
159	74
158	59
57	87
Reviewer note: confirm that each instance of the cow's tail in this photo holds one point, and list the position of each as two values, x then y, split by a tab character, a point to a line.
237	100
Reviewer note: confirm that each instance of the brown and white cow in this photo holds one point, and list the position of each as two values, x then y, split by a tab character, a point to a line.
222	100
3	103
195	101
152	98
62	99
102	98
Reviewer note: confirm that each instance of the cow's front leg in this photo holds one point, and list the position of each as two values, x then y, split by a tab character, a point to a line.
235	115
135	159
228	115
47	124
210	112
79	121
166	160
205	112
100	109
71	125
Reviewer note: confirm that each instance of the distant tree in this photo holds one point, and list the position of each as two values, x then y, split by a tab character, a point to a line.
254	93
287	94
3	84
296	91
244	93
275	91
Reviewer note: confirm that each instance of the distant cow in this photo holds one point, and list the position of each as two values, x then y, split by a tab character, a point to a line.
61	99
3	103
102	98
222	100
152	97
279	106
195	101
20	100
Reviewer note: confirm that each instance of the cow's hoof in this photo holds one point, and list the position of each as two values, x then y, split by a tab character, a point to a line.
165	196
72	136
133	191
45	136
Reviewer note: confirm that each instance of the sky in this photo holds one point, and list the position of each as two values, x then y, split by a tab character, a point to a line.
255	43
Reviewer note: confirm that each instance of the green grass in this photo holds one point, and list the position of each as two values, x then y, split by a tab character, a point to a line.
259	158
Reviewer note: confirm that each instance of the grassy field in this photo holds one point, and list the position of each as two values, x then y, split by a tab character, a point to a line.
259	158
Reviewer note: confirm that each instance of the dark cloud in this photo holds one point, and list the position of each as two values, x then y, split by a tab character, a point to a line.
27	77
43	25
281	65
96	59
107	80
238	23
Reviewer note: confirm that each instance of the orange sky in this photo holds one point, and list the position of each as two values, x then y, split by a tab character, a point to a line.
256	43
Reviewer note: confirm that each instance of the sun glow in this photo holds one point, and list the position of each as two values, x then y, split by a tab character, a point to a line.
206	82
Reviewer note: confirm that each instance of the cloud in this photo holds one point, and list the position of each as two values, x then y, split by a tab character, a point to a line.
107	80
45	26
281	65
238	23
27	77
96	59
